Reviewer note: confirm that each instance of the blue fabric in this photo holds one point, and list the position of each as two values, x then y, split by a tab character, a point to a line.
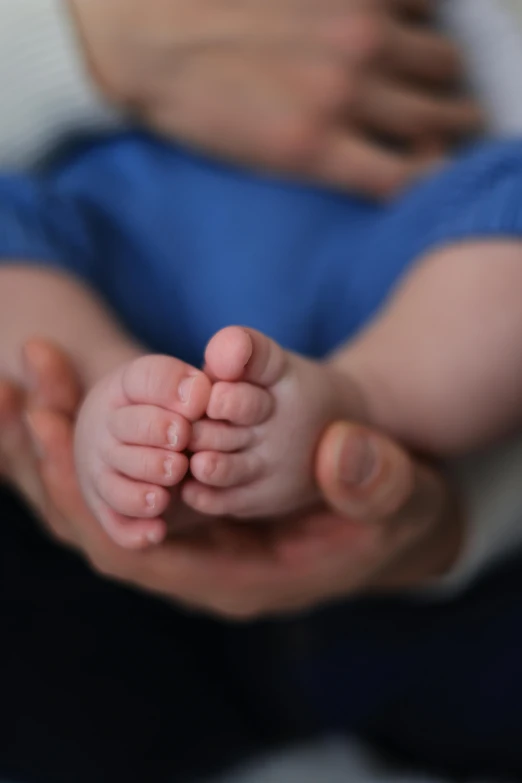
181	247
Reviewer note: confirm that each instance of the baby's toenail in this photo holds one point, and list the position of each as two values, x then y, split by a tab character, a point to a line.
185	389
150	499
168	467
173	435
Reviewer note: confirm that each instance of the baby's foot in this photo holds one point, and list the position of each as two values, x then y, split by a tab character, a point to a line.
267	409
130	435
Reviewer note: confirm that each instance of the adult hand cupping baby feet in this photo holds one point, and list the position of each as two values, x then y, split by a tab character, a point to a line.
252	422
130	437
405	511
254	452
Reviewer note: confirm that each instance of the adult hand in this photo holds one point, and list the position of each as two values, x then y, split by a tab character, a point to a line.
395	525
51	384
304	87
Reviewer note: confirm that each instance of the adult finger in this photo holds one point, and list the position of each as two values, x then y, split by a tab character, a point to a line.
11	428
17	462
418	53
253	109
51	377
65	509
348	161
347	29
407	113
367	477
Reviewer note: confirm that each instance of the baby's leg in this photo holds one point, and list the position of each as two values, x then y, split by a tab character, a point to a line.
441	366
129	442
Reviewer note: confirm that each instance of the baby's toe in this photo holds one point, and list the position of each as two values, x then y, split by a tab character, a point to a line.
228	353
210	435
168	383
238	353
240	403
155	466
215	501
148	425
131	533
131	498
216	469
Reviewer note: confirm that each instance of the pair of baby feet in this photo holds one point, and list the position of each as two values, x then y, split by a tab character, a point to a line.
235	440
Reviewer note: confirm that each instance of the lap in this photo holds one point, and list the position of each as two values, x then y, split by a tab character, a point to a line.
437	684
101	683
100	680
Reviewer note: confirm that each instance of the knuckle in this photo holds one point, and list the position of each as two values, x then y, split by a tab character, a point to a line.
373	32
297	143
334	87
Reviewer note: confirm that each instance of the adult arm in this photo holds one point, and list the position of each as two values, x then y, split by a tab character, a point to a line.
298	88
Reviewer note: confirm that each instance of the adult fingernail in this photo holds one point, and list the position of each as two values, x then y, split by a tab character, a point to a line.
357	461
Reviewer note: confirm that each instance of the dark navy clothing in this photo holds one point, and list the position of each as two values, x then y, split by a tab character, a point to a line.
101	683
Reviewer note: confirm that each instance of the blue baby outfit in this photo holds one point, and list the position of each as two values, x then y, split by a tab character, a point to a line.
181	247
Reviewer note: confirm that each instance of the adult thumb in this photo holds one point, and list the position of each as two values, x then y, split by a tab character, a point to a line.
365	476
